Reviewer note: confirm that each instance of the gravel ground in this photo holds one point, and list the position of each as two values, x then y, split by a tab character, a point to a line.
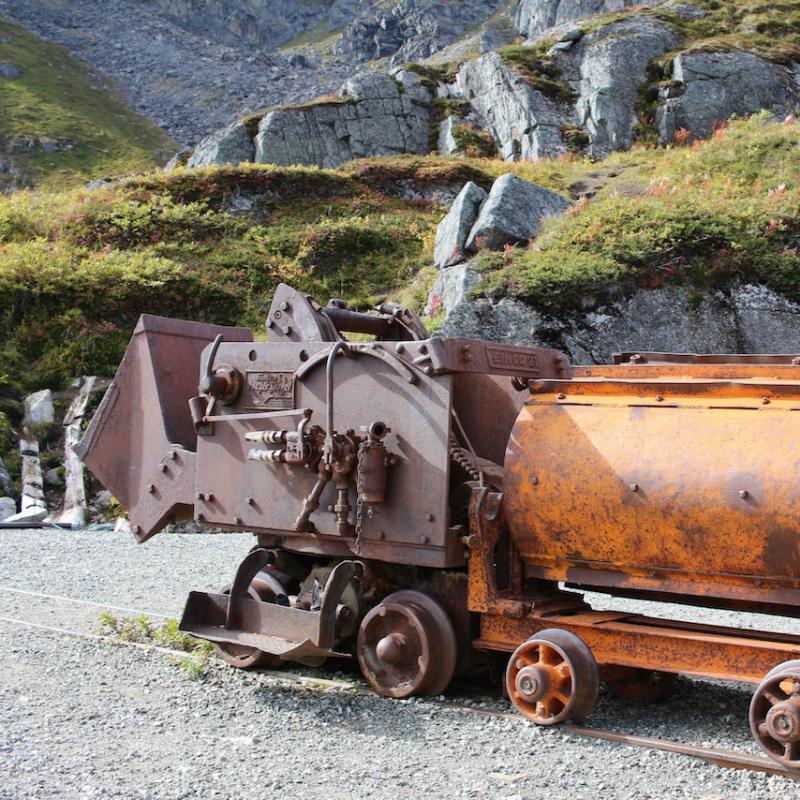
85	719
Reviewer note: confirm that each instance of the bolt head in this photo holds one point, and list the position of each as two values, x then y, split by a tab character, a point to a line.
744	494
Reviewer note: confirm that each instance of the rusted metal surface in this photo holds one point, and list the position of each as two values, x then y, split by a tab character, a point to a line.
143	418
686	488
407	645
643	357
417	501
553	677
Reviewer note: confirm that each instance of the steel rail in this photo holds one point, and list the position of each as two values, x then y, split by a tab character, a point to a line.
728	759
83	602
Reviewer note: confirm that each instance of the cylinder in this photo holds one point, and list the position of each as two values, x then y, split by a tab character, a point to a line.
691	491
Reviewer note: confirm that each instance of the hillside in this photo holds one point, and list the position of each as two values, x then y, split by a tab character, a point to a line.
60	125
77	268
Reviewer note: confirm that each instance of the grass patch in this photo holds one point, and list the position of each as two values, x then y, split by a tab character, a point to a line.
56	104
473	141
141	629
718	212
539	70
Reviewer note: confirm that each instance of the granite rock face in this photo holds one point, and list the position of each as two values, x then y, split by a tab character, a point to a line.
231	145
606	69
452	288
746	319
526	124
534	17
708	88
453	230
409	30
372	116
512	213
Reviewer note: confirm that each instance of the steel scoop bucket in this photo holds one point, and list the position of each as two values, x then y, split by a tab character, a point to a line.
141	442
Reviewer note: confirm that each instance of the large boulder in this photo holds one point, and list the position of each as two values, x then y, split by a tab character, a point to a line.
231	145
606	69
709	87
453	230
525	123
376	114
39	409
512	213
534	17
9	70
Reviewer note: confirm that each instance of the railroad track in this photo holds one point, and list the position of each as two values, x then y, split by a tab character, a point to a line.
728	759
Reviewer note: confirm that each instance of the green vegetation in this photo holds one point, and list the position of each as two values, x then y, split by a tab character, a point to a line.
54	105
539	70
707	215
473	141
142	630
78	267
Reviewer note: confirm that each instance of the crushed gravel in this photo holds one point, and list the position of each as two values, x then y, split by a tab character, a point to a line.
86	719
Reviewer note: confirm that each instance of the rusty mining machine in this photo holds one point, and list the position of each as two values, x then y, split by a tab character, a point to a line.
417	501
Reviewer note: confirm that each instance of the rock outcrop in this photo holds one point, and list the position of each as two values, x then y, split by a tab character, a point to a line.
376	114
708	87
409	30
231	145
534	17
453	230
512	213
606	69
745	319
525	123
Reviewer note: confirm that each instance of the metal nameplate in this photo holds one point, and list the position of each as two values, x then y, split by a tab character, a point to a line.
269	391
512	358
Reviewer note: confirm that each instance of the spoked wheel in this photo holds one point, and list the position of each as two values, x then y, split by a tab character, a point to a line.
407	646
267	588
553	677
642	685
775	714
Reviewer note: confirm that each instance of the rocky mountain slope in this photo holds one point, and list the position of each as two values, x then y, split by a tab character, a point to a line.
590	86
61	125
193	65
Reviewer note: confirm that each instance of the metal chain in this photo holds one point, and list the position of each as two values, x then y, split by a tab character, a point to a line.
362	450
464	459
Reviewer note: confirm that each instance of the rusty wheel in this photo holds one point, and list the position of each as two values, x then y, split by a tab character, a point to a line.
407	646
642	685
775	714
267	588
553	677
